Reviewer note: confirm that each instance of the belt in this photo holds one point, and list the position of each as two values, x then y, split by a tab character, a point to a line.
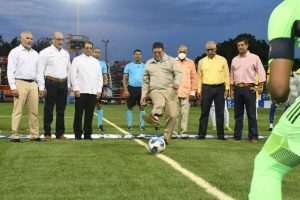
58	80
27	80
214	85
242	85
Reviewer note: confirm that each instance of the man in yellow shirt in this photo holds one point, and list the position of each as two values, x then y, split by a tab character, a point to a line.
213	74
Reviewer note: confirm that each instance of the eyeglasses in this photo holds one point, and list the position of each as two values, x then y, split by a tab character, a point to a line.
182	52
157	52
210	49
60	39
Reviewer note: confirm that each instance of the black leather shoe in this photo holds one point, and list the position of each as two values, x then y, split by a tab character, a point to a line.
16	140
36	139
221	137
234	138
201	137
88	137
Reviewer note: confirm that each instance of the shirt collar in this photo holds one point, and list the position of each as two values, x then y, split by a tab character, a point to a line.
23	48
164	59
54	48
247	54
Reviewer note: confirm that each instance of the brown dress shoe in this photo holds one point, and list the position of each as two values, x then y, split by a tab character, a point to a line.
62	137
47	138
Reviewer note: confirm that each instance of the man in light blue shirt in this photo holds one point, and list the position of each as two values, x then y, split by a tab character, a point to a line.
132	83
96	54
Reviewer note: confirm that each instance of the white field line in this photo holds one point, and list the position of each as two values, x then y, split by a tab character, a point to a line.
3	116
210	189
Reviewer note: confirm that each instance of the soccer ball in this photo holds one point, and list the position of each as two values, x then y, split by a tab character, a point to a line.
156	145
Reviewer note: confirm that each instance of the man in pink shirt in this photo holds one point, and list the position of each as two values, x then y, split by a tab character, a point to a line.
244	68
186	91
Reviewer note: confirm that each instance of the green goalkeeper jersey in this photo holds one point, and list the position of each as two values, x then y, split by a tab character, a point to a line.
284	29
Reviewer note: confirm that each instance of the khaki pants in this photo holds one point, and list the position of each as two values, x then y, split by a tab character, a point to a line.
165	102
28	93
182	115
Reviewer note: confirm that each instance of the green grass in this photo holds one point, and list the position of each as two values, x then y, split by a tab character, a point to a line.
122	169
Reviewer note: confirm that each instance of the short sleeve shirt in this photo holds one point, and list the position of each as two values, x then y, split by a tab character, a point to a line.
284	29
103	67
135	72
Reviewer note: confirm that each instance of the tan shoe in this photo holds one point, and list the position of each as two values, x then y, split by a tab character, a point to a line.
151	120
184	135
62	137
253	141
47	138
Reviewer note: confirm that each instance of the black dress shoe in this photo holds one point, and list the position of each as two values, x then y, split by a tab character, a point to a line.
88	137
36	139
221	137
201	137
16	140
78	138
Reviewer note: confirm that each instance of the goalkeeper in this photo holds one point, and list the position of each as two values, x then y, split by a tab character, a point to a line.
281	152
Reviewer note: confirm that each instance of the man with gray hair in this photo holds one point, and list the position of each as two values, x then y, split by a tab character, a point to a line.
54	64
23	76
213	74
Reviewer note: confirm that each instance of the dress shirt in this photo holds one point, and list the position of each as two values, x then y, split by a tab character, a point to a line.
213	71
86	75
189	81
55	63
244	69
160	75
23	64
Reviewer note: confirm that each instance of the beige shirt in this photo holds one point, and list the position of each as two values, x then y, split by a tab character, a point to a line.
160	75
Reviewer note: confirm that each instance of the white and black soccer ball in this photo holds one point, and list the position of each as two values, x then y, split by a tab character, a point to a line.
156	145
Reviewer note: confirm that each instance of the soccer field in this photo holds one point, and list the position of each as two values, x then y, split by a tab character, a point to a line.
124	169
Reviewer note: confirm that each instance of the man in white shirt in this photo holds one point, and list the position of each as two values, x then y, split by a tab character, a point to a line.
54	62
87	82
23	76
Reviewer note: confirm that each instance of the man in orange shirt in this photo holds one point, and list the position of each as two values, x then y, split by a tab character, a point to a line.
186	90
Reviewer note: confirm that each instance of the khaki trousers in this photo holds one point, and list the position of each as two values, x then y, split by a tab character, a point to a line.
165	102
182	115
28	93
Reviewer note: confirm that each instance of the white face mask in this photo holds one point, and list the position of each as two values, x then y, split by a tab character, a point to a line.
181	56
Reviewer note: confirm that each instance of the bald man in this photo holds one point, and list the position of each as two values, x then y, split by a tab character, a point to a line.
186	90
54	62
213	74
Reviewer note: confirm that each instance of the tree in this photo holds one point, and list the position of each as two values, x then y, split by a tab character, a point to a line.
228	48
41	44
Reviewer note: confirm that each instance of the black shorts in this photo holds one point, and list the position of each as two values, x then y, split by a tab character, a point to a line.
134	98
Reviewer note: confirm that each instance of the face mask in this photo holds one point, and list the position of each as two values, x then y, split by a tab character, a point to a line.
181	56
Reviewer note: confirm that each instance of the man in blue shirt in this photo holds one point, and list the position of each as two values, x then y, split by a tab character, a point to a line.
96	54
132	83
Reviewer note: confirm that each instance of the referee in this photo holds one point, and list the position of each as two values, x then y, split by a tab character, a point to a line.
132	83
96	54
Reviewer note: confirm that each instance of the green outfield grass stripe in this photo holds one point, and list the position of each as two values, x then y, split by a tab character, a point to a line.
210	189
